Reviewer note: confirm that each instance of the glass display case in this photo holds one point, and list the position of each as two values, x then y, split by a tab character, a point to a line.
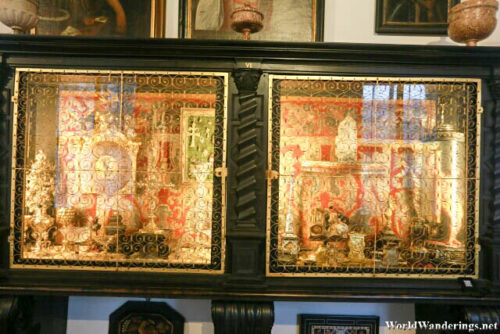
117	170
373	176
249	171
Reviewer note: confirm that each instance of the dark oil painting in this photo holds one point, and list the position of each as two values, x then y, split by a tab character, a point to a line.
102	18
426	17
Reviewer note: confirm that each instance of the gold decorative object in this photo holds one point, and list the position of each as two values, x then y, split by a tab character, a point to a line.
136	186
391	256
346	142
290	244
20	15
247	20
66	216
374	177
356	246
391	241
472	21
39	197
40	186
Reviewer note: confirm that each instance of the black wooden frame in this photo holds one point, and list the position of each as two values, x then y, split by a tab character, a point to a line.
319	16
306	321
382	27
249	65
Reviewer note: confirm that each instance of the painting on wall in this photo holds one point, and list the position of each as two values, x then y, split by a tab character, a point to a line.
420	17
373	177
338	324
284	20
102	18
119	170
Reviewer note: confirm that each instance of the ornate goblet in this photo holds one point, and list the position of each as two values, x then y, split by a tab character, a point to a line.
41	225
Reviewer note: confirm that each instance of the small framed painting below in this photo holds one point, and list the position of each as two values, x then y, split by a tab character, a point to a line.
413	17
338	324
102	18
135	317
284	20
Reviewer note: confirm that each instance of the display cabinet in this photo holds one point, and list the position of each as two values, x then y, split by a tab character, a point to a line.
249	171
119	170
373	176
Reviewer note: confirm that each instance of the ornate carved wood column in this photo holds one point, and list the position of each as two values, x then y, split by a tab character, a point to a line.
242	317
246	230
248	155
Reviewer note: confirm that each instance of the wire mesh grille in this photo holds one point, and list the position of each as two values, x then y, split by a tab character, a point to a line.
116	170
373	177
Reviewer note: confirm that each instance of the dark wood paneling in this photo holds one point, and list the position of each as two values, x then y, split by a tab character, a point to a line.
33	315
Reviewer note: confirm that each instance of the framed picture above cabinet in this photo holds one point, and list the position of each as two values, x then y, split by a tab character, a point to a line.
117	170
283	20
119	18
373	176
410	17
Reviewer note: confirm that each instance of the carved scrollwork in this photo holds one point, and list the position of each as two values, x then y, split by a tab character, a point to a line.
247	79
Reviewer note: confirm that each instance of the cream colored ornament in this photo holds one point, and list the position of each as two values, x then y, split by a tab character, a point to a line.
20	15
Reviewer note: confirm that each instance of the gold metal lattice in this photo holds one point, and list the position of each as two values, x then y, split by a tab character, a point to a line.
373	177
119	170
